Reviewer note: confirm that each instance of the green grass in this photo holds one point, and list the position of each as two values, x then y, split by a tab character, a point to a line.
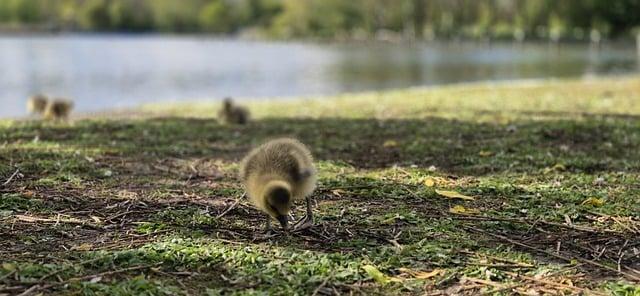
129	205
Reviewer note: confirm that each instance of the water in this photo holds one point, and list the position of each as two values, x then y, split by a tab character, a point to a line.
101	72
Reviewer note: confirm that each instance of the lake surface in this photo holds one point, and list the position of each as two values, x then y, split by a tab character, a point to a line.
101	72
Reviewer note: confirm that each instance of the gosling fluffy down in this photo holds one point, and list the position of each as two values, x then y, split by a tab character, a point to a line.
233	114
37	104
276	174
58	109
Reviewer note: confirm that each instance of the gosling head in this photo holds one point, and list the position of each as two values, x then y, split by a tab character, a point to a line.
37	103
278	201
227	103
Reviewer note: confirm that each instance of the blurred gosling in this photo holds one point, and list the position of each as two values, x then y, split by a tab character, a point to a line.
58	109
275	175
37	104
233	114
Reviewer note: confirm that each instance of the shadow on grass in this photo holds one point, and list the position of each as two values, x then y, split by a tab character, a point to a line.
455	147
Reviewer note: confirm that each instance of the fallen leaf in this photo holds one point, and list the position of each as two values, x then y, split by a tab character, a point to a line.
429	182
8	266
599	181
453	194
83	247
95	279
462	210
338	192
390	144
593	201
378	276
421	274
558	167
485	153
427	275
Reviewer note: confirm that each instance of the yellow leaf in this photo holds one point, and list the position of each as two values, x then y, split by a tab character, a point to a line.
453	194
83	247
429	182
390	143
427	275
8	266
395	279
593	201
462	210
485	153
338	192
376	274
558	167
421	274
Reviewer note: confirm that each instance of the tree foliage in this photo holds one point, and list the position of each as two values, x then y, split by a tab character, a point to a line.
572	19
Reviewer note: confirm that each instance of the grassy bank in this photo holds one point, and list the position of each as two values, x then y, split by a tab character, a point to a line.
549	174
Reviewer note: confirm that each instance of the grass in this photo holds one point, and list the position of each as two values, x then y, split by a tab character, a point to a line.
125	205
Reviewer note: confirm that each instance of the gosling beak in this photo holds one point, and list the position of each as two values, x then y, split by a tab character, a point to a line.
284	220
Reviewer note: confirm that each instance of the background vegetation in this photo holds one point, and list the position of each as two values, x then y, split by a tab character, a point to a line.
359	19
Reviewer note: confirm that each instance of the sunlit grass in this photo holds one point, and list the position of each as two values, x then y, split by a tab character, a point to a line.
131	206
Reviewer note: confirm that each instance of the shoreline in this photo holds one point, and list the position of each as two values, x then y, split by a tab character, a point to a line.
625	41
146	110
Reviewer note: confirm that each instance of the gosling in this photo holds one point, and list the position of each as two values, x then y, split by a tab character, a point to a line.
233	114
58	110
36	104
275	175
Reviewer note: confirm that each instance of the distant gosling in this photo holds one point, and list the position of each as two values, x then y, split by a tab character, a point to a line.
58	109
275	175
233	114
37	104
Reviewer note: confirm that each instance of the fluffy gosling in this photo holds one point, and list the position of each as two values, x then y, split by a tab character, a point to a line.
58	109
275	175
36	104
233	114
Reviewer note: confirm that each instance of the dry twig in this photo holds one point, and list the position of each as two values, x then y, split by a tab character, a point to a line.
583	260
11	177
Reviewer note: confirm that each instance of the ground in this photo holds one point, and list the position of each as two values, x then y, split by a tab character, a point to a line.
511	188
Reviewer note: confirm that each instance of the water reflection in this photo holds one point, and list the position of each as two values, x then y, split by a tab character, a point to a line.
107	71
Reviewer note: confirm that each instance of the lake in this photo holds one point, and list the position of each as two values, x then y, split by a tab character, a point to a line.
101	72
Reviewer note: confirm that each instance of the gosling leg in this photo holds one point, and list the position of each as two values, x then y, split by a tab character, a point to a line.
307	221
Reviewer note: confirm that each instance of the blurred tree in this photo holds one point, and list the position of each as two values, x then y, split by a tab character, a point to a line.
337	18
94	15
419	17
294	19
215	17
176	16
130	15
25	11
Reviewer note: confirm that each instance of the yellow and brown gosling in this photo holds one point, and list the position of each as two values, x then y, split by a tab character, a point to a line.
58	109
233	114
275	175
36	104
